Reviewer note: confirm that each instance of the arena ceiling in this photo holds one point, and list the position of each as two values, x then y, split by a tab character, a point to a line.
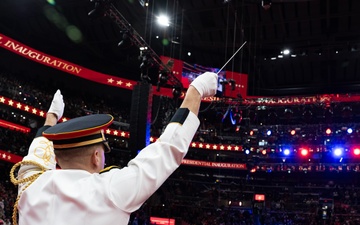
322	35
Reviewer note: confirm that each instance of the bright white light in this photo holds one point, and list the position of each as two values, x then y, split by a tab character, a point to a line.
349	130
338	152
286	52
189	53
163	20
286	152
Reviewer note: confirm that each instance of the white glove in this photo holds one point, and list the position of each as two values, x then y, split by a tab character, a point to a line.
57	105
206	84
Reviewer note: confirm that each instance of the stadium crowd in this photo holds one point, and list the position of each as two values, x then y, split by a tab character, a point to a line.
192	195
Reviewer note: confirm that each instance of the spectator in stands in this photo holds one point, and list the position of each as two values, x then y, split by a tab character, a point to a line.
82	192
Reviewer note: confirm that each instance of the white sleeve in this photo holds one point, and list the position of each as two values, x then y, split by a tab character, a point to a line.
131	186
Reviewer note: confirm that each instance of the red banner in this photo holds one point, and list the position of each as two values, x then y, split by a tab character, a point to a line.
71	68
221	165
9	157
13	126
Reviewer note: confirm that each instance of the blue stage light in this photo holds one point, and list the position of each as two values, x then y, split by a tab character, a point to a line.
286	152
338	151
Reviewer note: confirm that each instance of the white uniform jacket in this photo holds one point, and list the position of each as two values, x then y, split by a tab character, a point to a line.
75	197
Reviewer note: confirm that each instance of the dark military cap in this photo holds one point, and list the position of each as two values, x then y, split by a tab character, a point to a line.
79	132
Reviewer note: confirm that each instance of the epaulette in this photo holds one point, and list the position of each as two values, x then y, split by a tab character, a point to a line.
107	169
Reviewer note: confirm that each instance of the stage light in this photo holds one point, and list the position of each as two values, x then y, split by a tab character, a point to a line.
349	130
163	20
126	41
251	133
163	77
328	131
144	3
176	92
286	52
356	151
293	132
99	10
247	151
268	133
338	151
263	152
286	152
162	80
304	152
146	61
232	84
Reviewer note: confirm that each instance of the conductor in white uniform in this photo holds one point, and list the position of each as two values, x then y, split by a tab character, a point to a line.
82	191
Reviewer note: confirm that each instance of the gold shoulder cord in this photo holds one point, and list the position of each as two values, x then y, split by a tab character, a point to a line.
29	179
107	169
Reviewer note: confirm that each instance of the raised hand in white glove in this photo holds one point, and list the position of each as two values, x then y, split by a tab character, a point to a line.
57	105
206	84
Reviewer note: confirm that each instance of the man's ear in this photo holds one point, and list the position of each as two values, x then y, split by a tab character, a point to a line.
95	158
